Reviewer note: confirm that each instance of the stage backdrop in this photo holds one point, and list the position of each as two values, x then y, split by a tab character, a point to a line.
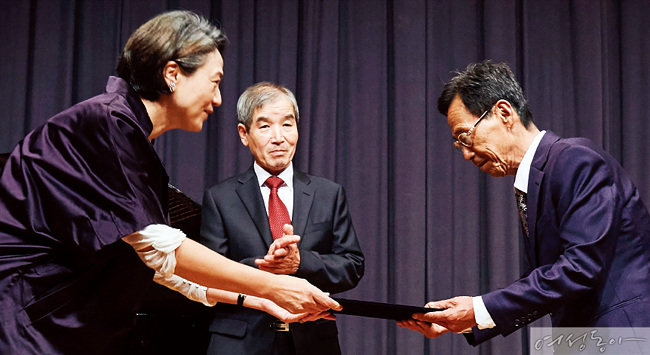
367	75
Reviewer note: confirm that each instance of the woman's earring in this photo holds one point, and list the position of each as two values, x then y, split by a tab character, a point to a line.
172	86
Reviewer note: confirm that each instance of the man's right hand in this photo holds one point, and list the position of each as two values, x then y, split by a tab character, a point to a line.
457	316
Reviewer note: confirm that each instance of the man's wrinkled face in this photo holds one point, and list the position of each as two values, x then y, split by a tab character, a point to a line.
273	135
489	149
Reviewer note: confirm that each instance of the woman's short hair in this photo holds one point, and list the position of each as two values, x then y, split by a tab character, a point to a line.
257	96
180	36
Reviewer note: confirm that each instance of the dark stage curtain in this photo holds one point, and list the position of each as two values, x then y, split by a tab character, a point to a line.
367	75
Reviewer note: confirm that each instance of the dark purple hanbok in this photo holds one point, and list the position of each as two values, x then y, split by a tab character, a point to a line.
69	191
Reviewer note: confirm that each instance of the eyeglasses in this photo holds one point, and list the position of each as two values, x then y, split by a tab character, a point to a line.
465	139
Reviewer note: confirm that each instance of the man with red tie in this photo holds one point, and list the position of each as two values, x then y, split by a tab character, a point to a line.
280	220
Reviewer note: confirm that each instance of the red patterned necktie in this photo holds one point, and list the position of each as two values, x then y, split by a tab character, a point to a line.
278	214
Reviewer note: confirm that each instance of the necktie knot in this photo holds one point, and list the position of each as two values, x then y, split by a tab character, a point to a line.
274	182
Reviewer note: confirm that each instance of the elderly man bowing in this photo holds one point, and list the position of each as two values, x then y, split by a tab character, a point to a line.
586	230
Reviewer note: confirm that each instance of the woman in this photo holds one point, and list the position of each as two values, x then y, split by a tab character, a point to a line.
83	219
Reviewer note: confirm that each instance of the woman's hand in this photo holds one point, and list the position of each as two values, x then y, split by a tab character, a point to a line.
299	296
282	314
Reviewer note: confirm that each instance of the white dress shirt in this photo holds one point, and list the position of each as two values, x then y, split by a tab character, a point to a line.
481	314
285	191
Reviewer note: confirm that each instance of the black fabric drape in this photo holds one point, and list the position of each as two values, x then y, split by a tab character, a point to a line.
367	75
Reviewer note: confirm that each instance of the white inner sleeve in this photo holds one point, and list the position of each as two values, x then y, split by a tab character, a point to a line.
156	246
481	314
189	289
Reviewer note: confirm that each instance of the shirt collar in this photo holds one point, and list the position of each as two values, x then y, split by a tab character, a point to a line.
523	171
286	175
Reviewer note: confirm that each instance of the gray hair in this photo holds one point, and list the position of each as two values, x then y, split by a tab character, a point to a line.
259	95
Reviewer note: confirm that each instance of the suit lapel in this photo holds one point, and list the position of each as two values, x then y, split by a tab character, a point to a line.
251	197
535	178
303	196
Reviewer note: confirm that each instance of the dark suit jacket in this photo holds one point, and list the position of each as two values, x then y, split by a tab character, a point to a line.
235	224
589	245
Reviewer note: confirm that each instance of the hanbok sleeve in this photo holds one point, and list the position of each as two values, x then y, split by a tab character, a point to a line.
88	177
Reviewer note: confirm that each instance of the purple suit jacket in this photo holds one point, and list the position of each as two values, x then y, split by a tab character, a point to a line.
588	248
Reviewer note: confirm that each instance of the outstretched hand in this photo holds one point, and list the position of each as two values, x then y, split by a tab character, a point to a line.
430	330
282	314
458	314
299	296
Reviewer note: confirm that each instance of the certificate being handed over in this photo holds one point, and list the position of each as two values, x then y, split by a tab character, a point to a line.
379	309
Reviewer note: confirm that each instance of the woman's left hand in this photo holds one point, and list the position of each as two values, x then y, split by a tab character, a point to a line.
282	314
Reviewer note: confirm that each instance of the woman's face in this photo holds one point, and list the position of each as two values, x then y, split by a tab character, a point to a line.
197	94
